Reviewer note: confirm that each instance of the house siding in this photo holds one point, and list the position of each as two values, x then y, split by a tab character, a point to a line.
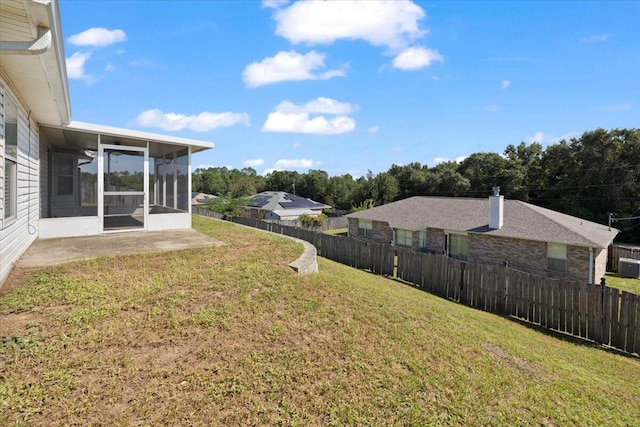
18	234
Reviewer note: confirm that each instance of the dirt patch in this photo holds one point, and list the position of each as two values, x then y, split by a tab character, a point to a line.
13	324
527	368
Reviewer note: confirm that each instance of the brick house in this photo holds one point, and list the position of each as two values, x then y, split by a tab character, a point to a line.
491	231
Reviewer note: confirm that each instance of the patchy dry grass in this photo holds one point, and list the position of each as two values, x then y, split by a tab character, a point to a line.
231	336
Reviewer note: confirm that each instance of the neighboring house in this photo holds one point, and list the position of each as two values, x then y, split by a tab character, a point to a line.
60	178
491	231
279	205
201	199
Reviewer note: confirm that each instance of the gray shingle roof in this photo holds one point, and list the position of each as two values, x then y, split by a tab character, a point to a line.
279	200
521	220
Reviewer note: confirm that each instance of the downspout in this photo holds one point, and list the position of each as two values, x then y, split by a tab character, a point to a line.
37	46
590	265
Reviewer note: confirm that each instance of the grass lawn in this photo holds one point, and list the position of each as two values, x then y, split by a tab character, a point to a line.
623	283
232	336
337	232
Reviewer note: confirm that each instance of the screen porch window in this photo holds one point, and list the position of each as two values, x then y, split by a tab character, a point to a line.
404	237
365	228
10	193
557	257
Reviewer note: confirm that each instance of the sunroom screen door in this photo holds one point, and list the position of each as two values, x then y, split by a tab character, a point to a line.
125	202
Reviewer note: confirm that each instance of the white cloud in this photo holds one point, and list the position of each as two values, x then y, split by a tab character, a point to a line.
269	170
545	138
75	66
288	66
394	24
415	58
595	38
439	160
97	37
302	123
295	163
273	4
505	84
291	118
491	108
373	129
203	122
320	105
110	67
253	163
296	145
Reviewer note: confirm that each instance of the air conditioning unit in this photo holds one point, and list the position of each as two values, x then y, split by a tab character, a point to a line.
628	267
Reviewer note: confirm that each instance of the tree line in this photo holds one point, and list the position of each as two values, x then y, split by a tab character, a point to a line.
590	177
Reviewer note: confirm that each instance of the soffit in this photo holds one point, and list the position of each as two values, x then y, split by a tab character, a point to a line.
39	81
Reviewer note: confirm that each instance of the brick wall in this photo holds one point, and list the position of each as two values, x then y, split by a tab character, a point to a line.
525	255
381	232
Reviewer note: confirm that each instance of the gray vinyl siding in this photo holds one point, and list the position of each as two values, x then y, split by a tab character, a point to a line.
18	234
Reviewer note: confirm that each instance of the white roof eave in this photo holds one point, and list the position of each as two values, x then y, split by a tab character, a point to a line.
196	145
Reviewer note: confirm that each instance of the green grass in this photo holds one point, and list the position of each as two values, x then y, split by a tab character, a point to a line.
623	283
232	336
337	232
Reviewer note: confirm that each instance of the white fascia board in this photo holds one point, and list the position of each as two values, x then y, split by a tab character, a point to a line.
195	144
64	105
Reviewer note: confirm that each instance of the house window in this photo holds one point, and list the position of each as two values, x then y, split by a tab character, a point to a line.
557	257
422	239
365	228
404	237
10	159
457	246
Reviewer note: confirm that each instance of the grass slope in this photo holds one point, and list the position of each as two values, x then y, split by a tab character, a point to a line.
231	336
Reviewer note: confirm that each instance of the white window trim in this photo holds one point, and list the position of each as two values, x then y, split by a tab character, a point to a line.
12	182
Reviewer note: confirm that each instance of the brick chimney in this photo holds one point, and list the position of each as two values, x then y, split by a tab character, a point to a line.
496	209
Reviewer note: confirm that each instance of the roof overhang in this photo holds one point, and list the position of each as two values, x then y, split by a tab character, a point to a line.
79	135
114	132
38	76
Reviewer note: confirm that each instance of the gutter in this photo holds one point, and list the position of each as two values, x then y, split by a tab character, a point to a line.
37	46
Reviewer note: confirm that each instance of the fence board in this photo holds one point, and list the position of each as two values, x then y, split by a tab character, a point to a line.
615	252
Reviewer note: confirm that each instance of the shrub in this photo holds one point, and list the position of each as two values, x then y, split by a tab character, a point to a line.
310	221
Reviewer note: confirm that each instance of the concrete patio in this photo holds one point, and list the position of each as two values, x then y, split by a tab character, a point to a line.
57	251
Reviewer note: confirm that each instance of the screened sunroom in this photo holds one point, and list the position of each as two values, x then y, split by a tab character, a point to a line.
104	180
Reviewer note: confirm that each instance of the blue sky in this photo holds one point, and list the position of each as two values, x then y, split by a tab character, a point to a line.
348	87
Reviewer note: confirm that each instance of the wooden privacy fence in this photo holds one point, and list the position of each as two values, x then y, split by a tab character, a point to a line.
594	312
598	313
620	251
